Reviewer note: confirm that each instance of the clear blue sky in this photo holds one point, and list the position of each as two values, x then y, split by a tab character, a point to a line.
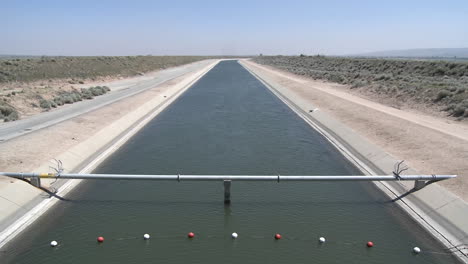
235	27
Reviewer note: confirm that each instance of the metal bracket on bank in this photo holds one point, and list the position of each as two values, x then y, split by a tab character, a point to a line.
419	183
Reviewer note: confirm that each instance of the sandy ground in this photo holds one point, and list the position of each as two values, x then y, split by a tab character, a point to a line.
431	145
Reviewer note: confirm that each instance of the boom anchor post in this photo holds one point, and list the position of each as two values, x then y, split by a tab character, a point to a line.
227	191
35	181
419	184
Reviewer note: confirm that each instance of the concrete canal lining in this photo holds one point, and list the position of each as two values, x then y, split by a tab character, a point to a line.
439	211
83	158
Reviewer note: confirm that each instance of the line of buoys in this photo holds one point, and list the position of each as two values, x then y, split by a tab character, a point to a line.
234	235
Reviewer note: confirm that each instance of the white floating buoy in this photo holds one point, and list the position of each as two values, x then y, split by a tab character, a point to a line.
234	235
53	243
146	236
416	250
322	240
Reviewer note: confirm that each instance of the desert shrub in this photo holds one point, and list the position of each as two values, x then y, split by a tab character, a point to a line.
383	77
12	117
8	113
95	91
98	90
58	100
460	90
451	89
336	77
358	84
441	95
86	94
67	99
439	71
459	111
44	104
78	95
75	96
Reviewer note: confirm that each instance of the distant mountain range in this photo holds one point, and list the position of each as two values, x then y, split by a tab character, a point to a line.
419	53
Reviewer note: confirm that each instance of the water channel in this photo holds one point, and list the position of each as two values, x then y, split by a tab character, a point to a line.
227	123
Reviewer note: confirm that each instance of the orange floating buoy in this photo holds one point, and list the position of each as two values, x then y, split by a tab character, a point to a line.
277	236
191	235
370	244
100	239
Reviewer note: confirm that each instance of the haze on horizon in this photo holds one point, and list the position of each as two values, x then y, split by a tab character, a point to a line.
211	27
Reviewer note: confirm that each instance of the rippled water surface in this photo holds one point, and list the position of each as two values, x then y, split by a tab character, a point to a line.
227	123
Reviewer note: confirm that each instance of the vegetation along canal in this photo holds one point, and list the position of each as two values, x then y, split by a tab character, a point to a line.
227	123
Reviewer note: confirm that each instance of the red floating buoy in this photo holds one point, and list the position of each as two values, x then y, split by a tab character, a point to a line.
191	235
370	244
277	236
100	239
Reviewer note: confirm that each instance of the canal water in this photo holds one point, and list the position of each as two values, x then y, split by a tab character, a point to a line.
227	123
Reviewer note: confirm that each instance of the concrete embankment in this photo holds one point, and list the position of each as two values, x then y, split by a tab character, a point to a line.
81	143
437	209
